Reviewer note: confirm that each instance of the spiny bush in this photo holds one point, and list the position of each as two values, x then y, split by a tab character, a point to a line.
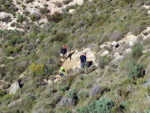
137	51
98	106
134	70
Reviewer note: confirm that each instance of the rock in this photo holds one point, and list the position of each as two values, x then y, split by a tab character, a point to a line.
4	15
14	103
131	43
71	11
67	102
14	88
115	44
105	53
80	2
128	51
36	14
50	82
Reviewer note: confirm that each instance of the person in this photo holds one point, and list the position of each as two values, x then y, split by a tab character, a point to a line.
62	71
63	52
83	60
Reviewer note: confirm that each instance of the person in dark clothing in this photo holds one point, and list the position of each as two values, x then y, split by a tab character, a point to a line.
83	60
63	50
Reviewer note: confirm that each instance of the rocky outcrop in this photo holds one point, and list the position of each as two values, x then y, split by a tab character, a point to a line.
4	15
14	88
80	2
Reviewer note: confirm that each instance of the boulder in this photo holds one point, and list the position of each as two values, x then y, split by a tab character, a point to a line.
115	44
14	88
71	11
128	51
4	15
80	2
50	82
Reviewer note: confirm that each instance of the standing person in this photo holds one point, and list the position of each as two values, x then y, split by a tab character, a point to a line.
63	52
62	71
83	60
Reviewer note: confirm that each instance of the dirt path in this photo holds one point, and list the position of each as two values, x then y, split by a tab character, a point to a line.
75	59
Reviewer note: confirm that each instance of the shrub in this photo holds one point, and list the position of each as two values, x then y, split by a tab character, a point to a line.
95	90
102	61
98	106
116	35
72	93
64	88
147	110
44	11
37	69
137	51
134	70
6	19
67	102
136	29
56	17
35	16
28	1
67	1
82	95
21	18
60	37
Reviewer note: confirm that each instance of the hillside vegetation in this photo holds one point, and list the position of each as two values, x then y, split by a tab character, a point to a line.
117	82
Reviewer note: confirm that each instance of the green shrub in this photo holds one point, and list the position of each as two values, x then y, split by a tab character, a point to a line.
60	37
102	61
64	88
147	110
28	1
137	51
98	106
72	93
56	17
134	70
67	1
44	11
21	18
82	95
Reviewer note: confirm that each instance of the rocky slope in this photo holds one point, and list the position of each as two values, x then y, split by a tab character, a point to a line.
115	34
34	8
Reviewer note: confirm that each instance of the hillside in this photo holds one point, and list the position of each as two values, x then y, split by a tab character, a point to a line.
114	34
